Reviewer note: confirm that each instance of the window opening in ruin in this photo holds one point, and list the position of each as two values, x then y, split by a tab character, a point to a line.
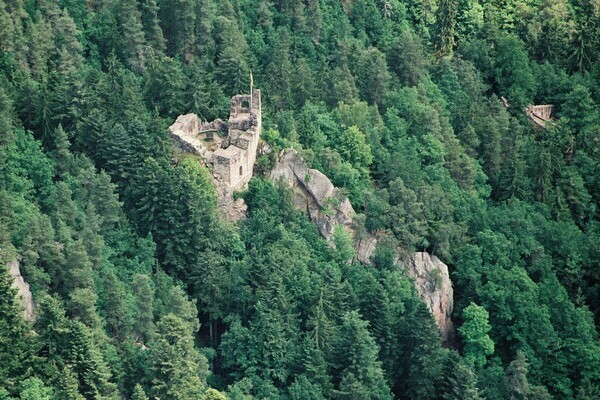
240	170
245	104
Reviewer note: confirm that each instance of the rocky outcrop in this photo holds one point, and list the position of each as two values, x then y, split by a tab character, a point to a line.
433	284
185	132
24	296
231	208
314	193
327	207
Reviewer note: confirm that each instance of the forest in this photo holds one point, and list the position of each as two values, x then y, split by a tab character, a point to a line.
414	108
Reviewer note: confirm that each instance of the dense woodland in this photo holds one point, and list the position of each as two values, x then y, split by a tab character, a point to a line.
142	289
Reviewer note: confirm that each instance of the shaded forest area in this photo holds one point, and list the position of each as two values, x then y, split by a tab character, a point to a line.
143	290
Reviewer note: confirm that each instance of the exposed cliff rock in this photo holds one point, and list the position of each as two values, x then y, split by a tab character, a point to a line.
23	293
324	203
327	207
233	209
433	284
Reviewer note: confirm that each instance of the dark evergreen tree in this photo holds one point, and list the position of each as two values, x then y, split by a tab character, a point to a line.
360	371
178	370
152	32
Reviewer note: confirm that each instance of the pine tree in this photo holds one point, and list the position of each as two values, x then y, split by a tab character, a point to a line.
164	85
88	363
82	306
179	20
518	384
78	284
118	318
131	34
178	371
60	150
233	72
360	371
144	299
315	367
321	329
15	344
67	387
152	31
303	388
421	345
279	71
138	393
462	383
445	39
6	111
117	149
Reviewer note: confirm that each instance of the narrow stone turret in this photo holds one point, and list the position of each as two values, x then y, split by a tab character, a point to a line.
234	162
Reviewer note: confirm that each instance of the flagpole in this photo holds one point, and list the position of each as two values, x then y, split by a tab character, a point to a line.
251	89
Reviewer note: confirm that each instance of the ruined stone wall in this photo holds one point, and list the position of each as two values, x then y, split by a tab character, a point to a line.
245	125
233	157
540	114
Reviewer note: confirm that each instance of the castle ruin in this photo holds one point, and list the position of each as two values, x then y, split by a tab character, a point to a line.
233	162
231	155
540	114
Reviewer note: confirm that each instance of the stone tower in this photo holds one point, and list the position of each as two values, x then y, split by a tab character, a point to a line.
234	161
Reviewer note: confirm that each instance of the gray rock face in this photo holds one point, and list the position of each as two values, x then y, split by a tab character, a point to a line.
185	132
314	193
232	209
433	284
328	207
24	296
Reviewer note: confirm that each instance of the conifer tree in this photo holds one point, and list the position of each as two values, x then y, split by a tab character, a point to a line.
518	383
178	371
138	393
152	31
179	20
462	383
15	344
315	367
131	34
144	299
93	373
118	318
67	387
446	28
360	371
164	85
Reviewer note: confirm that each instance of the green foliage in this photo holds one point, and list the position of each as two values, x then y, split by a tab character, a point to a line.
179	370
477	343
138	393
413	109
14	332
361	373
34	389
